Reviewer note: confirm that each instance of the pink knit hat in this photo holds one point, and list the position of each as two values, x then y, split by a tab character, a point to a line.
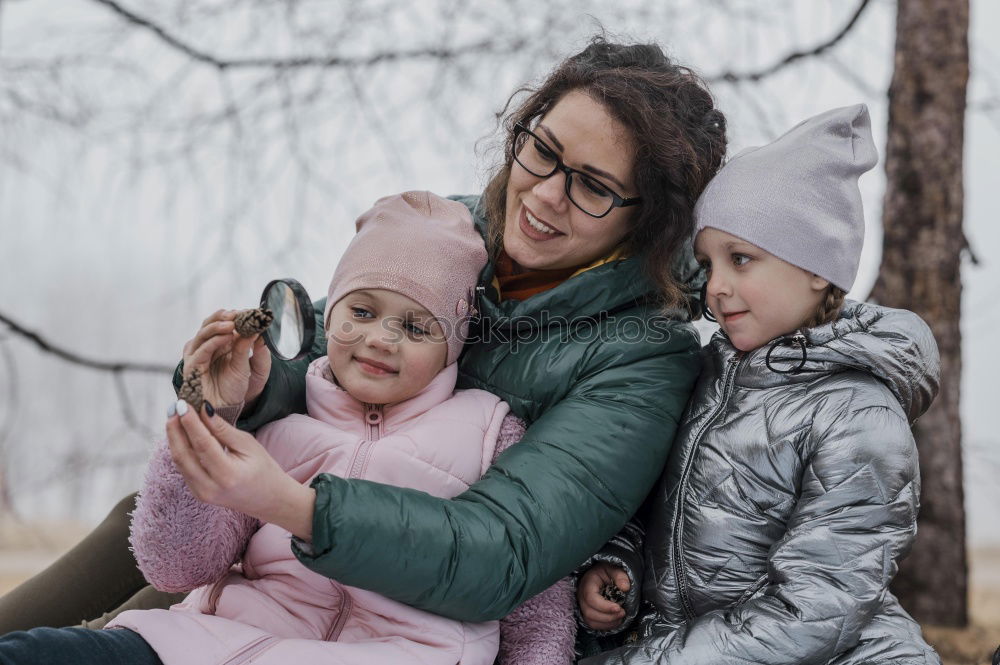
421	246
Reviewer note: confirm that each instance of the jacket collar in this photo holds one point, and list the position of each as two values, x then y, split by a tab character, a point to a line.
893	345
616	255
328	402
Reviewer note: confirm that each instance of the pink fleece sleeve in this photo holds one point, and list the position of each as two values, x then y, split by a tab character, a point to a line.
542	630
180	542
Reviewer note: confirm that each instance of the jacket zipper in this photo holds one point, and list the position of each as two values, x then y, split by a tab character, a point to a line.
346	605
477	303
249	651
730	380
373	432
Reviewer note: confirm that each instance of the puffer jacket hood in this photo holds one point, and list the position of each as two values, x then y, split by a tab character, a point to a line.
893	345
787	502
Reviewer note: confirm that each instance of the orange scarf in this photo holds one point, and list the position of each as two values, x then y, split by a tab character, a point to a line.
526	283
516	283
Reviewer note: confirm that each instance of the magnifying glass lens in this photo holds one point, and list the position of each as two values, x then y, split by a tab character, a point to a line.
290	335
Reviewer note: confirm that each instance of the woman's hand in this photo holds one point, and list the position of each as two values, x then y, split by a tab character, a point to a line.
597	611
230	374
227	467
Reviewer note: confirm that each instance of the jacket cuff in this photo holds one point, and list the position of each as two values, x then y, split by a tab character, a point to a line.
230	412
249	419
322	537
632	597
178	377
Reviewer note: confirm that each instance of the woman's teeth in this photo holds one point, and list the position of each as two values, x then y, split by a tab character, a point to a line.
537	225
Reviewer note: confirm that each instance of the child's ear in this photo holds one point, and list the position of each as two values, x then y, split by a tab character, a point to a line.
818	283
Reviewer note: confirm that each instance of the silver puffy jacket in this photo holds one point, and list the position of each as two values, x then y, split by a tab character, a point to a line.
786	504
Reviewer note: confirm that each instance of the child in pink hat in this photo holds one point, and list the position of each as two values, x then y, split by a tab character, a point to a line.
382	406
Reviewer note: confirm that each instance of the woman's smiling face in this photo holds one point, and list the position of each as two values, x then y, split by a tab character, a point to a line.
543	230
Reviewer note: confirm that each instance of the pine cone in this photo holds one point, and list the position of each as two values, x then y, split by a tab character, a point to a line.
190	390
249	322
611	592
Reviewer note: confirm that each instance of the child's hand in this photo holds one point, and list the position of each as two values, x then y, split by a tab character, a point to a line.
229	374
227	467
597	611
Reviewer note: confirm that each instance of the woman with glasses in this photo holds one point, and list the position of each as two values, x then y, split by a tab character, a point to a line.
583	329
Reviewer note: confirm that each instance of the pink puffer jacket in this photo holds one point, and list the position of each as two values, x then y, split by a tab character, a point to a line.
271	608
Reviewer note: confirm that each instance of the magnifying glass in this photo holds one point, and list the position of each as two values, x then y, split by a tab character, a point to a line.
290	335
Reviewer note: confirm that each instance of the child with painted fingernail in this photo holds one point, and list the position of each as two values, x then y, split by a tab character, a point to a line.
381	406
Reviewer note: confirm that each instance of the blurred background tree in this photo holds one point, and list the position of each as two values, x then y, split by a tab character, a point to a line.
924	239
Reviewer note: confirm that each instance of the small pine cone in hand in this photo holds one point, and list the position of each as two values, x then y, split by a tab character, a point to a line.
611	592
249	322
190	390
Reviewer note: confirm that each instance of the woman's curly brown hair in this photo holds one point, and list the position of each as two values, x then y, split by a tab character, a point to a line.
680	142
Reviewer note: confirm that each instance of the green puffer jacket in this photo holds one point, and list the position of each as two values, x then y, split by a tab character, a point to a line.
601	379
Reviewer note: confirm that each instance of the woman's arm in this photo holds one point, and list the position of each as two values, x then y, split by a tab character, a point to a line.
855	519
579	473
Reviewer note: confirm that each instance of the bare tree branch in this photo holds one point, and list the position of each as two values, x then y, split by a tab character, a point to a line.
128	412
195	53
68	356
736	77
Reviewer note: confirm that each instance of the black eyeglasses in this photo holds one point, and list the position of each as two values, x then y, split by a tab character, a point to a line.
585	192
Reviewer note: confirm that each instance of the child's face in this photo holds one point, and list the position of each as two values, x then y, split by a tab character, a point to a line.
383	347
755	296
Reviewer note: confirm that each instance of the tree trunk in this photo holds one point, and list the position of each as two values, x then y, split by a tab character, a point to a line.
920	271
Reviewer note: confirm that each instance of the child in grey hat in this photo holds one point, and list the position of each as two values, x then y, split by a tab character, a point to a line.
791	491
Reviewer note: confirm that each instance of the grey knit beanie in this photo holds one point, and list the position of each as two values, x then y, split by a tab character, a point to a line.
798	196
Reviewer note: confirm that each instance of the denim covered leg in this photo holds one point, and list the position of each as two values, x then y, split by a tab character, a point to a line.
76	646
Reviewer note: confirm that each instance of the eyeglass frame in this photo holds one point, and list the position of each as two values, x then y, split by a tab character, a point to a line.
617	201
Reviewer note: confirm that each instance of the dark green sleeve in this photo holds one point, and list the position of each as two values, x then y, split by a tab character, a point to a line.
572	482
285	390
